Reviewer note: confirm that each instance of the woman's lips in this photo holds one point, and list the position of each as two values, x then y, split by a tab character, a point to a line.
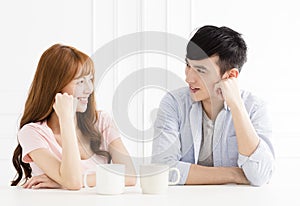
83	100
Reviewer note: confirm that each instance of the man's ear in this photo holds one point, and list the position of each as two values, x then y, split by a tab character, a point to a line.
234	72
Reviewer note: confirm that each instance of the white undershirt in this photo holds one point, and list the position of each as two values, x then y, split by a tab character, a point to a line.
206	147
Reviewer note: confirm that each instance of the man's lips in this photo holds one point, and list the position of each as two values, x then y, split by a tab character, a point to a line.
193	89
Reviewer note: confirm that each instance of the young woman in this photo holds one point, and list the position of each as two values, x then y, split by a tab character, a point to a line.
61	134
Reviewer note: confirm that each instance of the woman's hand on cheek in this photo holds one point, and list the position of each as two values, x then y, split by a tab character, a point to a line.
65	105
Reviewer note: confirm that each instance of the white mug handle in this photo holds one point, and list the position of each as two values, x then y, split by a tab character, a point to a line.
90	171
178	175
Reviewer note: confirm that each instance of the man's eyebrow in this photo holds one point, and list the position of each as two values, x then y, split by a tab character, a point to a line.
186	61
200	67
196	66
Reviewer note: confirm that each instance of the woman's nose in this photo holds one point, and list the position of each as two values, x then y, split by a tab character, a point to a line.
89	87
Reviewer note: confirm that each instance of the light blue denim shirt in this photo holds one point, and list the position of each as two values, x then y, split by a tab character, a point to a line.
178	135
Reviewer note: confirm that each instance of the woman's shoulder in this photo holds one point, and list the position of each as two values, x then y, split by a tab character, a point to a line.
104	116
35	127
107	127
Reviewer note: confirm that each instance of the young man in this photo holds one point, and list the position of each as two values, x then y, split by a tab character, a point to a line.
213	132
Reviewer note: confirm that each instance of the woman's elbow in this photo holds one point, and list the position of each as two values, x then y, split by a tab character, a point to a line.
130	181
74	184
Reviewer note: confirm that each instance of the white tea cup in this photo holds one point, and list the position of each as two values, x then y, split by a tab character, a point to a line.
110	179
154	178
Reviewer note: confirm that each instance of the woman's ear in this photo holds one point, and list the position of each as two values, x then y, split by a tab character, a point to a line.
231	73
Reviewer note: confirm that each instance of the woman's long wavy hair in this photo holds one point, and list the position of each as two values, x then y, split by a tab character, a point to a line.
57	67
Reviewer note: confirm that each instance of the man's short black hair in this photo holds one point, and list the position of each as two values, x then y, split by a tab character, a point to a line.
222	41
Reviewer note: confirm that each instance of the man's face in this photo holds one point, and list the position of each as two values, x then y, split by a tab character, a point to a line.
202	75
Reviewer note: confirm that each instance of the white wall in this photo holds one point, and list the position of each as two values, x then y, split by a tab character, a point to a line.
269	27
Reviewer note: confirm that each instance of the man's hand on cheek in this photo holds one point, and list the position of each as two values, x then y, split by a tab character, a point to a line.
228	90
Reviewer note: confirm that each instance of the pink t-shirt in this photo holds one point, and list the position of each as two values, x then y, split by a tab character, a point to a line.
38	135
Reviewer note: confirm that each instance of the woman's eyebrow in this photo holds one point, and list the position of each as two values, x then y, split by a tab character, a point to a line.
84	77
88	76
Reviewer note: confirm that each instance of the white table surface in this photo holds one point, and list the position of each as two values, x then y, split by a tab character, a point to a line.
271	194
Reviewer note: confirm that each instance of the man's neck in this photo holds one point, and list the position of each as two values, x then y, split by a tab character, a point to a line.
212	107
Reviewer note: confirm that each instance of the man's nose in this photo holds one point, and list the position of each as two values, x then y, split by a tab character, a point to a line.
189	73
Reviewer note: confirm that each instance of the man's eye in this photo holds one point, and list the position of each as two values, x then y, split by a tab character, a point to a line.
188	65
200	71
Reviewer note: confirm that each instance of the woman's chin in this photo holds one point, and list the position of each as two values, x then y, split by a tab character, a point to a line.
81	109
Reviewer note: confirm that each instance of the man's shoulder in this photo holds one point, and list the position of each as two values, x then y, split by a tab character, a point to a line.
250	99
180	95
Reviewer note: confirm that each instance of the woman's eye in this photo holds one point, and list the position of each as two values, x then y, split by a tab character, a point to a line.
80	82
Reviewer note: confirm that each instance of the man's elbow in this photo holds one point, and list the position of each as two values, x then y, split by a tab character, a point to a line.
259	177
258	181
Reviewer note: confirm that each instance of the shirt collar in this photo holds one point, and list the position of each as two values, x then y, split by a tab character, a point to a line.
226	107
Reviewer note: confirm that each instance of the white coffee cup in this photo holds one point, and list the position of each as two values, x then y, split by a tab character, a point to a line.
110	179
154	178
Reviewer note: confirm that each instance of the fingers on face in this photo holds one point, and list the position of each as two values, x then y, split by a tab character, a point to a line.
218	90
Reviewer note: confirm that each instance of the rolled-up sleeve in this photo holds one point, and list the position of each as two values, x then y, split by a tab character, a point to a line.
260	165
166	141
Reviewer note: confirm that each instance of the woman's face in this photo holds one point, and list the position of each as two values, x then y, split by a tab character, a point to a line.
80	88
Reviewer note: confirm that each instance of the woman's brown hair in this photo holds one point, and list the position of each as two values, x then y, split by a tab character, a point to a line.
57	67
